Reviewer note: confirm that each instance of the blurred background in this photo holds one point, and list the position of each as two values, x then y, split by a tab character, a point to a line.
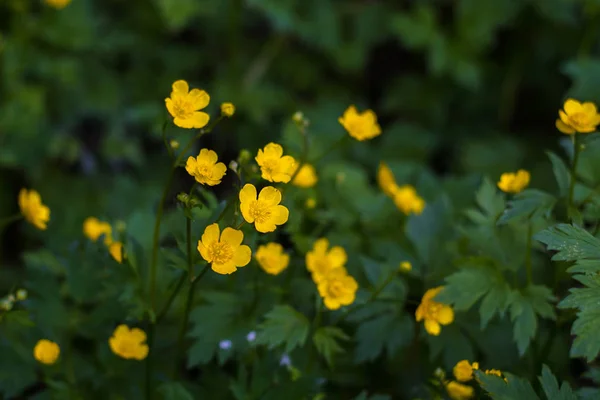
461	88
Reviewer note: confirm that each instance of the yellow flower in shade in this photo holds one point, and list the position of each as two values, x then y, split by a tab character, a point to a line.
46	352
129	343
306	177
264	212
463	370
458	391
321	259
514	182
93	228
274	166
578	117
224	251
184	104
408	201
58	4
116	251
33	210
227	109
337	289
361	126
205	168
386	180
405	266
271	258
310	203
434	313
493	372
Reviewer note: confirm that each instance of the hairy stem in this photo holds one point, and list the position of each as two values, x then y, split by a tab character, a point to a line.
576	151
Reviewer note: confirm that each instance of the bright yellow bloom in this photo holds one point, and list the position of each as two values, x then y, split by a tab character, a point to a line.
434	313
463	370
58	4
311	203
361	126
271	258
337	289
493	372
224	251
46	352
386	180
306	177
32	208
227	109
205	168
116	251
578	117
458	391
405	266
274	166
408	201
93	228
321	260
265	212
129	343
511	182
184	104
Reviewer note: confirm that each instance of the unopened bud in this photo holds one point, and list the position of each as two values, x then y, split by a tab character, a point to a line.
21	294
174	144
244	156
233	166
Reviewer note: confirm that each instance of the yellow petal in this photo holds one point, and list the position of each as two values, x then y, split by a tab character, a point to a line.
320	246
242	256
200	119
572	107
186	123
199	99
138	335
273	150
211	234
142	352
190	165
432	327
280	215
181	87
564	117
589	108
248	194
232	236
224	269
207	156
337	257
270	196
445	315
203	250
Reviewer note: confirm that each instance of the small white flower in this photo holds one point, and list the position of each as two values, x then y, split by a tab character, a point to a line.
251	336
285	360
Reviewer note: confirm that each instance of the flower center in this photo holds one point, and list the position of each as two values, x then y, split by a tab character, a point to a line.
260	212
182	109
126	346
220	252
203	170
358	127
335	289
433	310
579	119
269	166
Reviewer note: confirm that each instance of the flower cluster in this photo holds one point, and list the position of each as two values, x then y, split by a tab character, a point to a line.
405	197
463	372
434	313
93	229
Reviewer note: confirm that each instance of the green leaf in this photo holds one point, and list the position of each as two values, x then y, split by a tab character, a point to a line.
326	342
571	242
514	388
388	331
530	203
489	199
561	173
283	325
174	391
551	388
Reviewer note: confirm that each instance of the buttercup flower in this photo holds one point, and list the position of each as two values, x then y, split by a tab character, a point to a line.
578	117
458	391
511	182
408	201
493	372
184	104
265	212
116	251
205	168
337	289
271	258
321	260
227	109
93	228
386	180
306	177
405	266
274	166
361	126
46	352
129	343
224	250
32	208
463	370
434	313
58	4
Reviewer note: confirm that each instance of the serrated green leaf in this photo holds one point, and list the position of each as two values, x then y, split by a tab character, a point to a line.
522	314
571	242
174	391
551	388
561	173
326	341
514	388
530	203
384	332
465	287
490	200
283	326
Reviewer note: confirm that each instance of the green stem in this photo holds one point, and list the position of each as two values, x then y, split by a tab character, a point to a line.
164	138
304	155
169	302
5	221
528	264
149	363
576	151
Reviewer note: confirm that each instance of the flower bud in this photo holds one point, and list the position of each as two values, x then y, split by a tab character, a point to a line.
174	144
227	109
21	294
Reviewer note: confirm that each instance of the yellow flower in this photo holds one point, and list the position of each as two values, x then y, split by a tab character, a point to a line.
458	391
205	168
184	104
265	212
385	179
493	372
311	203
434	313
337	289
408	201
405	266
306	177
274	166
361	126
271	258
463	370
116	251
321	260
578	117
227	109
58	4
129	343
46	352
93	228
224	251
514	182
32	208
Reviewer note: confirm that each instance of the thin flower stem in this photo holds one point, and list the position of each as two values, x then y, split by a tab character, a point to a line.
304	155
576	151
149	364
169	302
6	221
164	138
528	264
